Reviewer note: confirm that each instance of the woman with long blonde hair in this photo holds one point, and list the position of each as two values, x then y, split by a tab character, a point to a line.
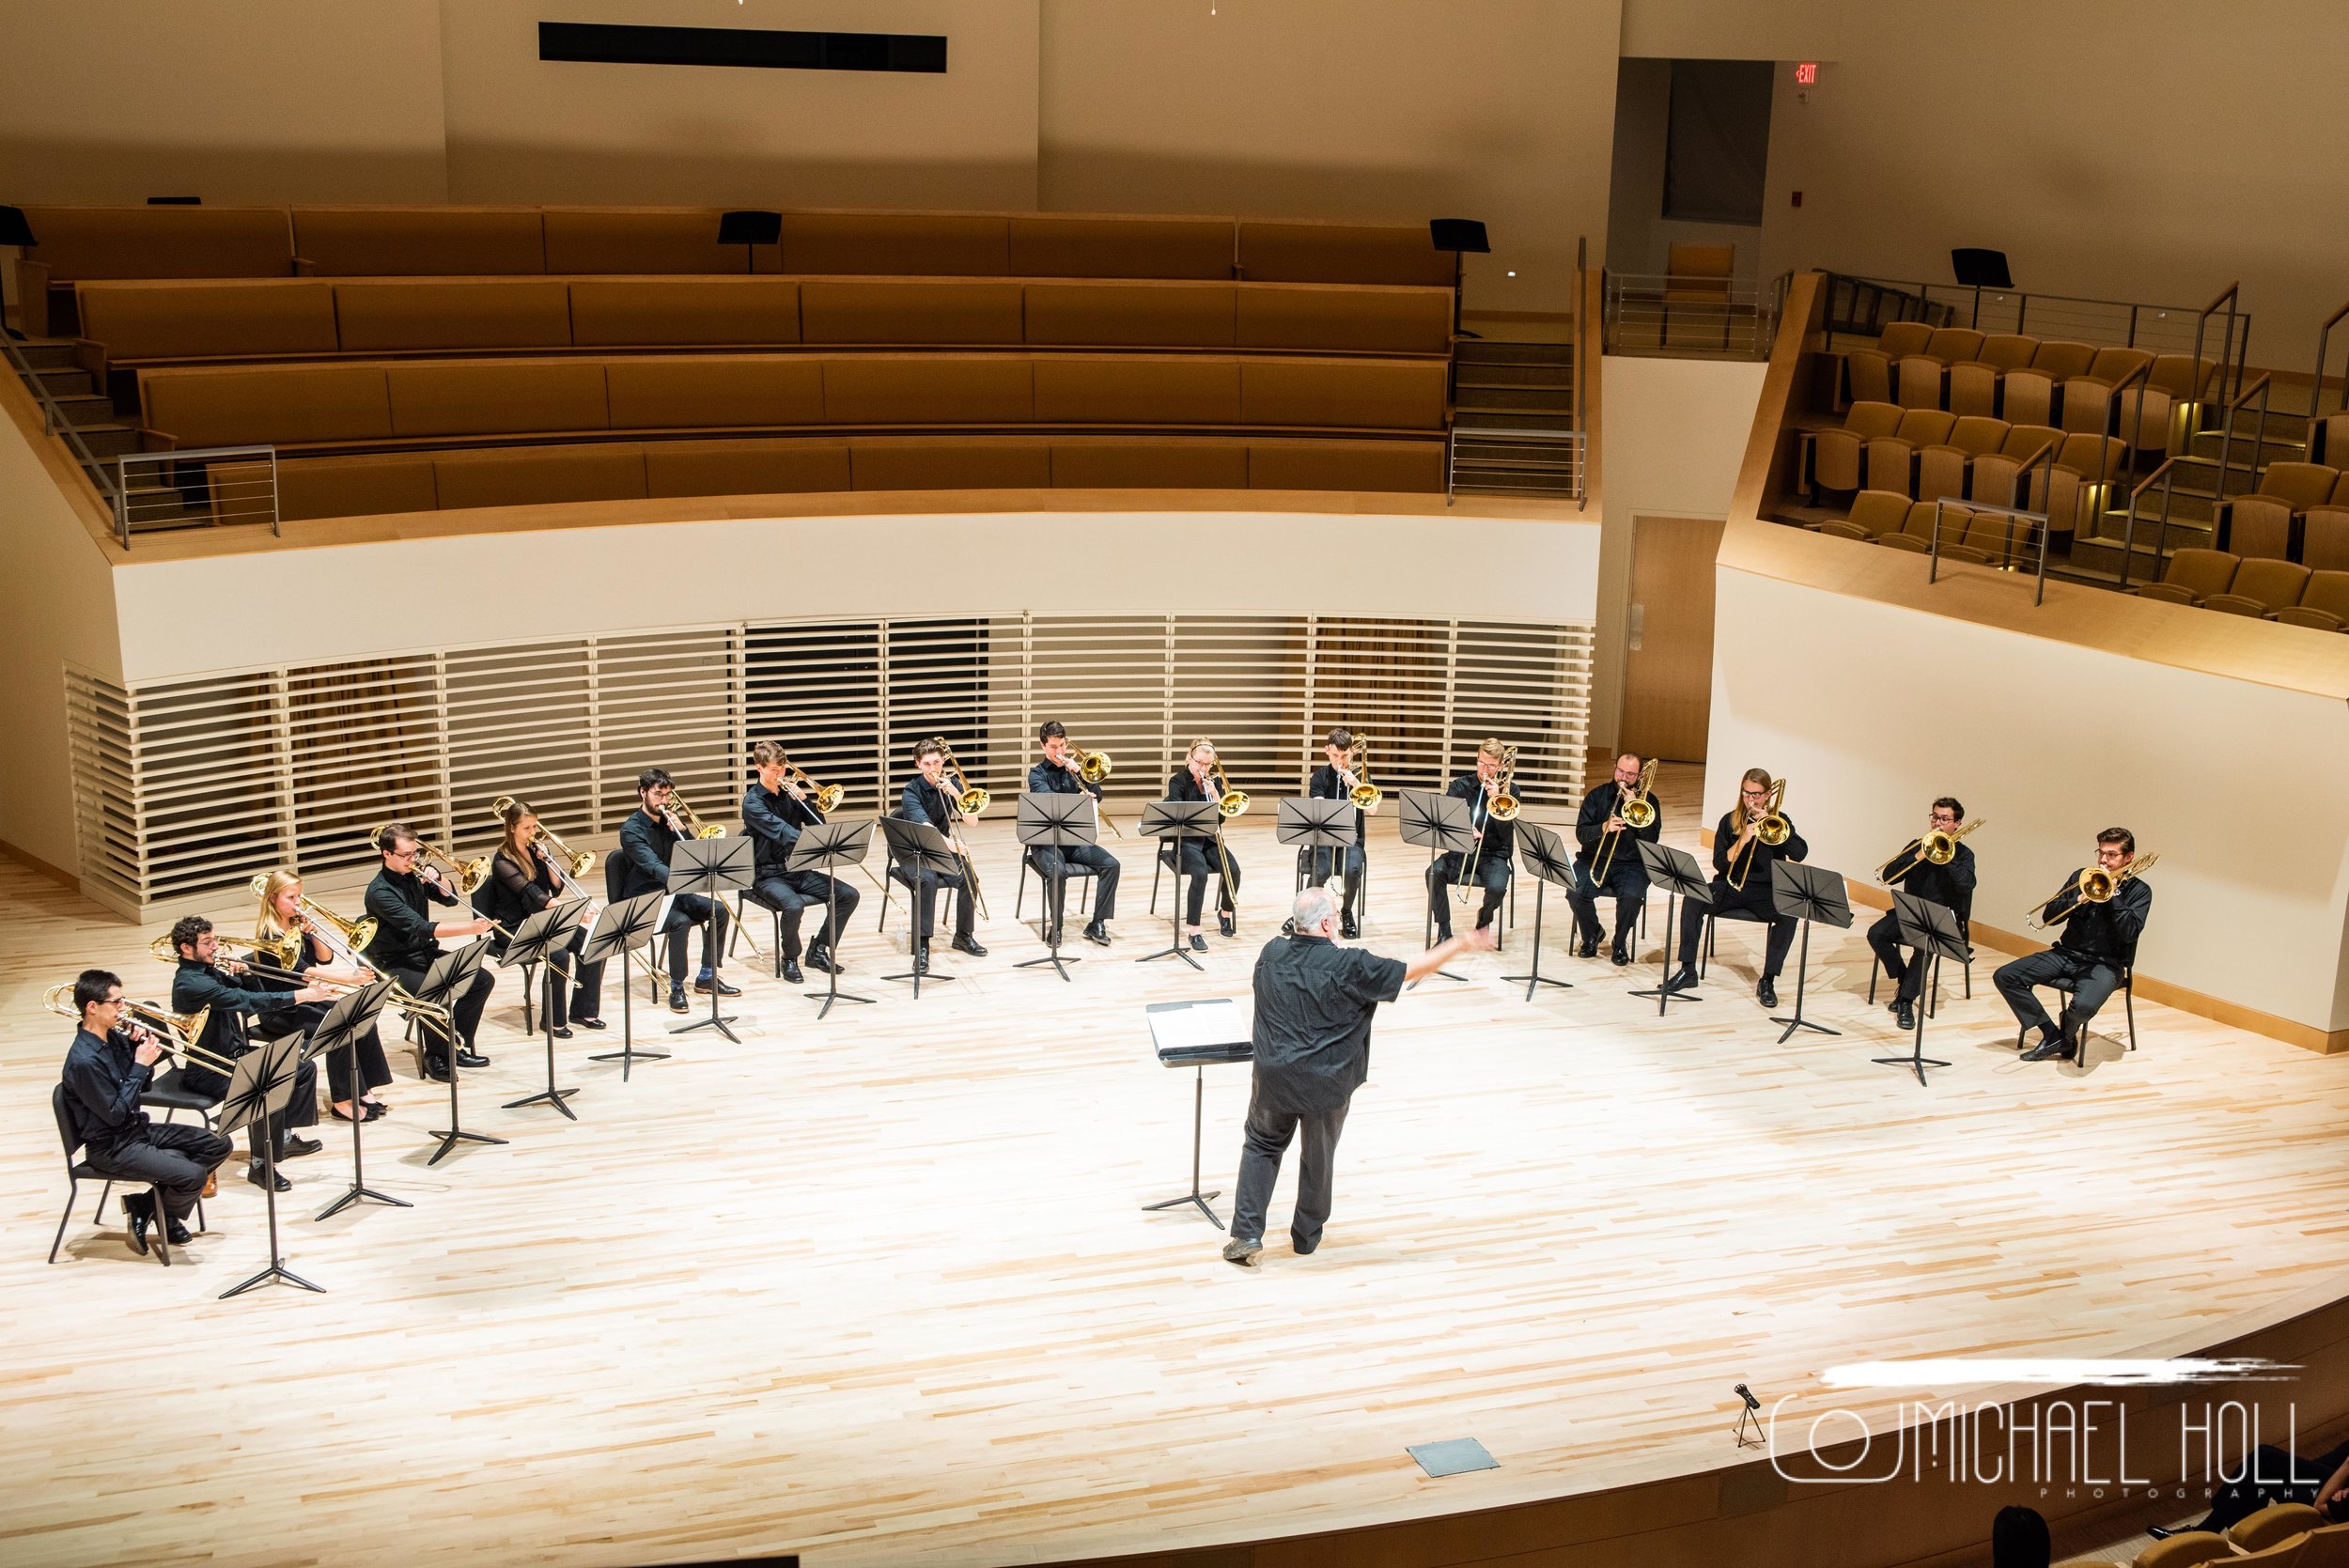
281	916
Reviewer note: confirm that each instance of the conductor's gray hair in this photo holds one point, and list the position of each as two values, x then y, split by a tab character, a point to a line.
1314	906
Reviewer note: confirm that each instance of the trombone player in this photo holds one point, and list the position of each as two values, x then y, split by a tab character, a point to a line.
775	808
1494	823
1608	852
927	798
2099	940
1062	771
525	879
1750	837
1915	871
109	1065
1196	780
408	940
232	993
646	838
1339	778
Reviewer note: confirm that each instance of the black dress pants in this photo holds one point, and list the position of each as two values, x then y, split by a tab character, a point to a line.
1051	865
2093	982
367	1047
689	911
1491	874
791	893
1357	862
1905	970
1628	883
467	1006
1261	1144
925	885
1198	862
173	1156
1752	900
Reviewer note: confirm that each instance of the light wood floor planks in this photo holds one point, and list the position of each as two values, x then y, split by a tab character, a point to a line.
880	1290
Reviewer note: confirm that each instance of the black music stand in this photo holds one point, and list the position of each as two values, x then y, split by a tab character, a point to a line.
449	975
351	1016
1546	852
1050	821
532	942
1930	928
1312	823
1192	1034
829	846
622	928
710	868
1178	820
1683	881
1442	823
258	1090
919	847
1807	893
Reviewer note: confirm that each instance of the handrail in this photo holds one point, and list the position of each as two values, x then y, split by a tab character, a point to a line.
204	454
2166	472
2226	439
2230	297
2316	388
2013	515
55	422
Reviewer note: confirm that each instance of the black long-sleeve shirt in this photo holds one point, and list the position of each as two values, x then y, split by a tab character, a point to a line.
1590	829
774	821
645	841
104	1080
923	801
1757	858
517	889
1951	884
2109	930
1325	786
233	999
1047	777
1500	836
401	903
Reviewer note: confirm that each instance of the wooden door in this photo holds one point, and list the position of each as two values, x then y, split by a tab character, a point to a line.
1668	671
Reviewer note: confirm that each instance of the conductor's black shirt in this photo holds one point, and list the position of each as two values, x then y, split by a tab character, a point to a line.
1313	1005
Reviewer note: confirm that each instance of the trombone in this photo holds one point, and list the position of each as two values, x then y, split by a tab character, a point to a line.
1637	811
2095	885
178	1031
685	823
467	875
1936	846
1771	827
255	955
826	796
969	802
1093	768
347	936
1364	794
570	863
1504	807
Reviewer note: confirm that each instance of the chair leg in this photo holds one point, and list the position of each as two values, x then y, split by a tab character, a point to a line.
97	1215
2128	1006
530	991
1157	869
160	1228
74	1190
1875	967
1020	897
778	914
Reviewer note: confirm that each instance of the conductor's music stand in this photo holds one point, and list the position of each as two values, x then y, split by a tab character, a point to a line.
622	928
533	943
1546	853
1442	823
1192	1034
919	848
1930	928
450	976
828	847
710	868
258	1090
1050	821
1181	821
1807	893
1683	881
1314	823
350	1018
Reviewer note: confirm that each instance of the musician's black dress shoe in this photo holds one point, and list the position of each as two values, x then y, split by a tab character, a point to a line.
259	1176
921	960
1682	979
1904	1016
140	1216
819	958
560	1032
179	1234
1098	934
1349	927
297	1147
970	945
676	1000
1766	993
472	1059
717	984
1227	922
578	1022
1586	948
1622	955
436	1069
1198	943
791	972
2049	1050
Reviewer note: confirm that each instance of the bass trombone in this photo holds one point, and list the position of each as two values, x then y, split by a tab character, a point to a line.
1637	811
685	823
1771	827
1502	807
1364	794
174	1031
1935	847
2094	885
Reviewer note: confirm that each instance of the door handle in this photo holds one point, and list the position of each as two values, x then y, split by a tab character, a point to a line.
1635	627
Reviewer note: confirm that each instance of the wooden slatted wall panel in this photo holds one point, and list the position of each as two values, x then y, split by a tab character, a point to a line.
213	798
1387	680
105	758
521	722
938	674
1239	681
1107	679
362	744
669	700
815	687
1530	686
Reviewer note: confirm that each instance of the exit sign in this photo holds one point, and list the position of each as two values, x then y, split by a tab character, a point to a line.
1807	73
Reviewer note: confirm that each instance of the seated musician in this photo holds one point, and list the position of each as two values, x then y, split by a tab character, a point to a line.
1607	859
1741	880
1198	859
646	839
774	810
1334	780
928	796
109	1065
1495	842
354	1092
235	995
1060	773
2099	941
1952	885
407	944
524	880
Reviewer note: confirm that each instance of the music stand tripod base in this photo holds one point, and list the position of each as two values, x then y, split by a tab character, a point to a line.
1176	822
827	848
339	1030
449	972
257	1091
535	941
1546	852
620	927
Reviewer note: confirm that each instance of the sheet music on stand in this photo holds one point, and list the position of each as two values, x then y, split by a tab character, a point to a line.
1201	1026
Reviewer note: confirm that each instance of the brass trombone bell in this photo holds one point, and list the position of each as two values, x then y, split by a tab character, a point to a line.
968	801
1364	794
1229	802
180	1031
355	934
577	861
694	827
827	797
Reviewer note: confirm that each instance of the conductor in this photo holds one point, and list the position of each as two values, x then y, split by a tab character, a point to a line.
1315	1000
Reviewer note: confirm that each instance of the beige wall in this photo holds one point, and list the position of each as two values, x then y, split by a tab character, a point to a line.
1396	110
55	604
2049	741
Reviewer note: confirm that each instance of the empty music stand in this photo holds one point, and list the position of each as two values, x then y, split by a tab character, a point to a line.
1180	820
1546	852
622	928
920	847
710	868
533	943
340	1029
1050	821
1807	893
1930	928
749	229
1683	881
1312	823
829	846
1979	269
449	975
258	1090
1192	1034
1442	823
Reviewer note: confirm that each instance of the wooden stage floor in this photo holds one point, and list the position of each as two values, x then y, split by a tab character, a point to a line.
882	1290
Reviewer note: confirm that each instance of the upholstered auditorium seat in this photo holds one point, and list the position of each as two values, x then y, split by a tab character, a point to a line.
1837	456
2260	589
88	242
1996	477
2324	603
2325	538
1892	458
1869	371
418	242
1874	513
2192	576
195	318
1943	468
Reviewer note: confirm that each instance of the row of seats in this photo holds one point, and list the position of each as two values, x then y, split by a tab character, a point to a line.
2278	590
1926	454
2299	513
126	325
2280	1535
622	471
307	406
2026	380
1985	538
81	243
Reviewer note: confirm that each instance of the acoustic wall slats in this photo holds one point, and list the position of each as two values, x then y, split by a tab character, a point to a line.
186	788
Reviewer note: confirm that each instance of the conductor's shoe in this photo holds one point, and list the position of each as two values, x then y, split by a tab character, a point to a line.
791	972
297	1147
1622	955
472	1059
259	1176
1243	1251
1904	1016
1767	992
970	945
1098	934
1682	979
1303	1249
676	999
